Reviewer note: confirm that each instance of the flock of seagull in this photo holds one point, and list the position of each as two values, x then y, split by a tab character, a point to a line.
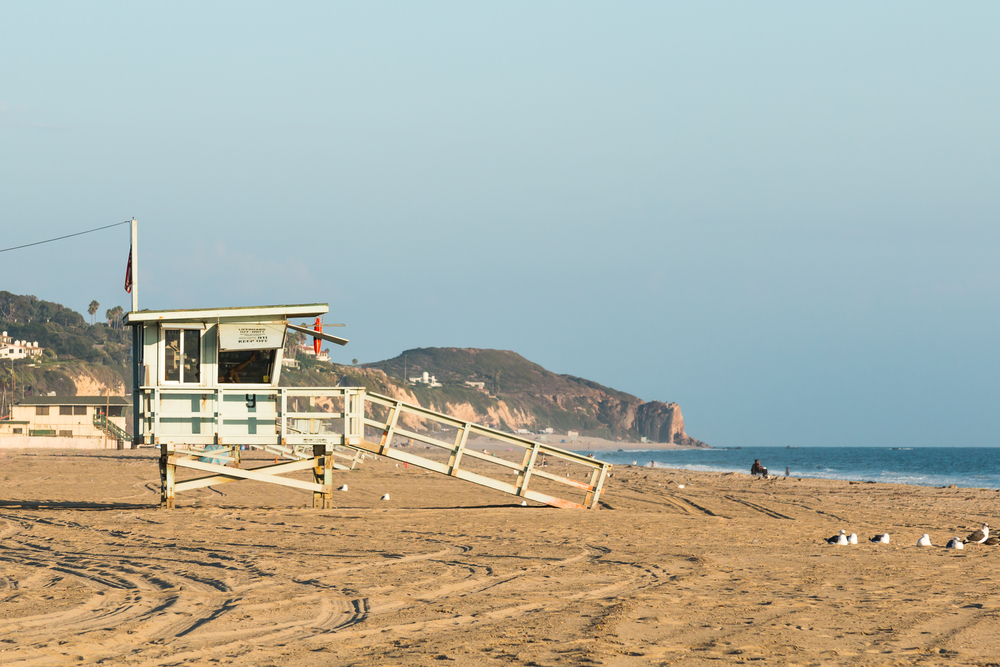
981	536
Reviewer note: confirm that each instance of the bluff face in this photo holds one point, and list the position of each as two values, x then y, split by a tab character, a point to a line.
516	394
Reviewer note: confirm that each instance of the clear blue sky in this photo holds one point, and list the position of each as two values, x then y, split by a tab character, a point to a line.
783	216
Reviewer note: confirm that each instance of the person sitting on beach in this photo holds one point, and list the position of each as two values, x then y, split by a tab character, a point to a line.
757	468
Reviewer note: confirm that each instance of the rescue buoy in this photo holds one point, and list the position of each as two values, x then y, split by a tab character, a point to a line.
317	343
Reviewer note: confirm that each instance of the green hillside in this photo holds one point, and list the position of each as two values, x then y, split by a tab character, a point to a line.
74	349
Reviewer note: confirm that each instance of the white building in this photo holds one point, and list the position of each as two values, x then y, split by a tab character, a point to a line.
309	351
68	417
427	379
17	349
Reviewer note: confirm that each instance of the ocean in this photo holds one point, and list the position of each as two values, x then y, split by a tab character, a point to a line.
977	467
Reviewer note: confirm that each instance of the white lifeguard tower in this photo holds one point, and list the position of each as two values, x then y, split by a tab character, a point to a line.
205	384
208	383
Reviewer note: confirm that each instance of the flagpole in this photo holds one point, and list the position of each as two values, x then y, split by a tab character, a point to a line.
135	265
136	341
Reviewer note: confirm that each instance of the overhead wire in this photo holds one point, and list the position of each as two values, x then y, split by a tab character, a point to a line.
60	238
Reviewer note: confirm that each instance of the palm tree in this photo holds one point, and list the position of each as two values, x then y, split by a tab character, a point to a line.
92	309
114	316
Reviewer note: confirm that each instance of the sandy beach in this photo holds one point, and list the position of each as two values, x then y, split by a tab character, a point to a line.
729	570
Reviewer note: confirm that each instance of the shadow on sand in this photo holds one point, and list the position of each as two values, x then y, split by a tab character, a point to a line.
73	505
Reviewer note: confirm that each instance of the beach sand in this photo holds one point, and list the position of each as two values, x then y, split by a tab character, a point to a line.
727	570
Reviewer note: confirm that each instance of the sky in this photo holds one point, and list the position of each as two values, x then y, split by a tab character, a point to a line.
782	216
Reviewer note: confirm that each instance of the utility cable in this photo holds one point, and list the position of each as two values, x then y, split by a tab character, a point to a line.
60	238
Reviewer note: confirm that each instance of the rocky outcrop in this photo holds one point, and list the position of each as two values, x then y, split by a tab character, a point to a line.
660	422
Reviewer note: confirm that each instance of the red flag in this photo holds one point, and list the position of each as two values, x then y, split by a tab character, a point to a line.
128	273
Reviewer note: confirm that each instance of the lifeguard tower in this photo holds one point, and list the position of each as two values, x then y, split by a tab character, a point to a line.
206	386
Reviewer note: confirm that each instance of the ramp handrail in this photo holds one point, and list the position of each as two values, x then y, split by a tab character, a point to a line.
458	450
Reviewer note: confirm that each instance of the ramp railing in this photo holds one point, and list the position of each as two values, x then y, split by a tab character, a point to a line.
110	428
507	463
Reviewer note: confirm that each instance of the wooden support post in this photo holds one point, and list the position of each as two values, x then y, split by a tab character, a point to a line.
526	465
320	466
328	477
455	459
596	483
390	427
168	475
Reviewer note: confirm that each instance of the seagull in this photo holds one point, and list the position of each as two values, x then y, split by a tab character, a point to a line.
955	543
385	497
853	539
881	539
924	541
979	536
840	538
992	540
343	488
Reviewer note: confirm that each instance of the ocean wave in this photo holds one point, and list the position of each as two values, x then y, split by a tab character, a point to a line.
918	466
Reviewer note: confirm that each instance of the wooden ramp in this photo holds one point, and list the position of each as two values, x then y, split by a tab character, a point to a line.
508	463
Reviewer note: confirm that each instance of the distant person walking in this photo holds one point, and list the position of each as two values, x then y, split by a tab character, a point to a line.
652	464
787	471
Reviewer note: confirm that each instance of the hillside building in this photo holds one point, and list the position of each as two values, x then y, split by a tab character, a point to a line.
18	349
324	354
427	379
68	417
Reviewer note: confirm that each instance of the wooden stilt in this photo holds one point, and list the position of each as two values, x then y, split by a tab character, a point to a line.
169	477
322	474
328	477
